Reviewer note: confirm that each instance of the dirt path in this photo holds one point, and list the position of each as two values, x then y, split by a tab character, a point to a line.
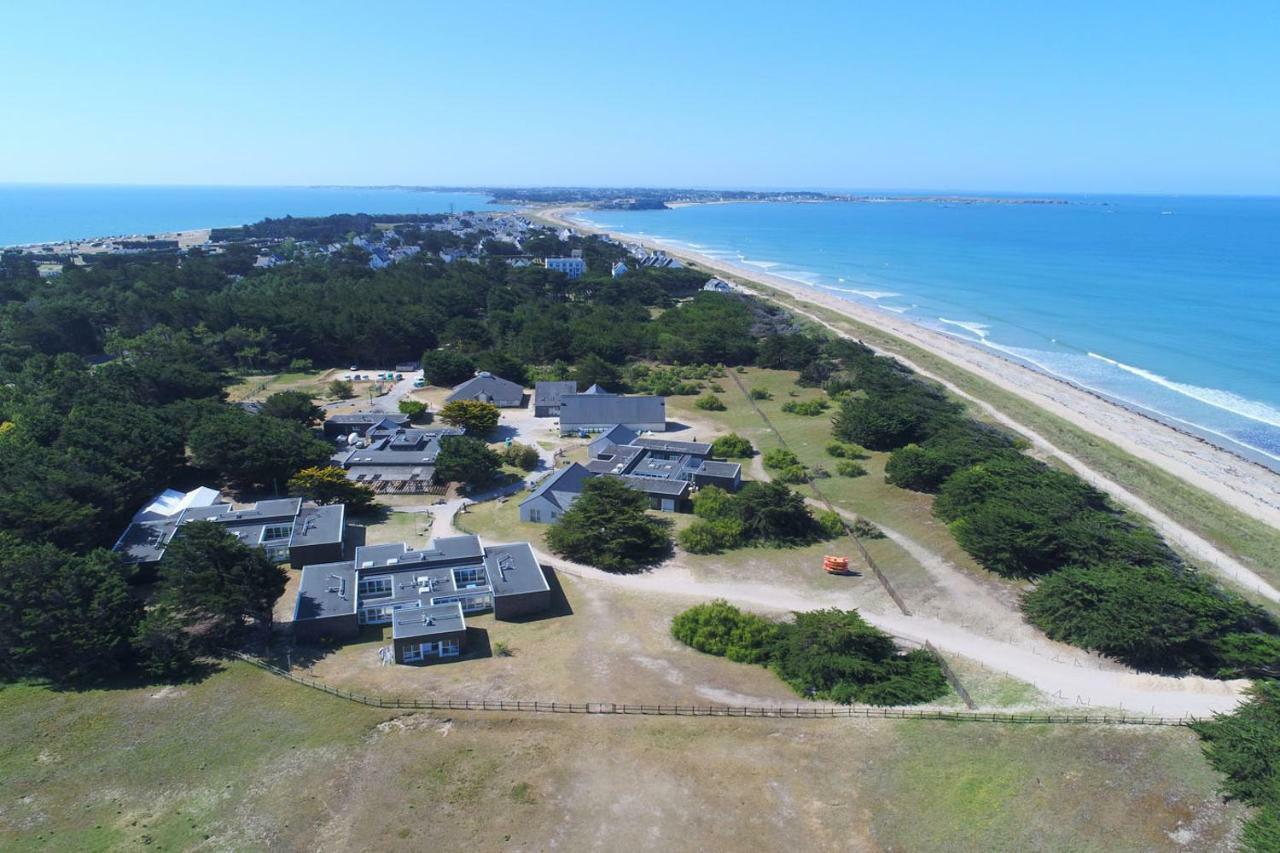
1069	676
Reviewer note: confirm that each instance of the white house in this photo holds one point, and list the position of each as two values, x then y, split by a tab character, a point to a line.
619	269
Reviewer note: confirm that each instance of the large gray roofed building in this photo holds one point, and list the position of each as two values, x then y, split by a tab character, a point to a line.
283	528
597	410
390	583
664	469
487	388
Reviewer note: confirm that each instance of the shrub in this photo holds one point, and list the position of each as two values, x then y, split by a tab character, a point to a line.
864	529
710	402
341	389
849	468
732	446
885	421
712	502
711	537
521	456
844	450
760	394
835	655
831	523
778	457
770	512
808	408
718	628
716	387
792	474
1248	655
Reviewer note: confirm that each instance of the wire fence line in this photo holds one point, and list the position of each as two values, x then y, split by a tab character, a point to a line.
783	712
853	537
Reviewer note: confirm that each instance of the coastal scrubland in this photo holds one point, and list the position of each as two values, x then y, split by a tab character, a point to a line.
242	760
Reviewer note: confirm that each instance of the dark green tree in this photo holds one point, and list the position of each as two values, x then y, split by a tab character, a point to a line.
253	450
217	582
295	406
608	527
446	368
464	459
63	616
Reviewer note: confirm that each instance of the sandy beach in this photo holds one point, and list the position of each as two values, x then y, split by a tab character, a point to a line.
1247	486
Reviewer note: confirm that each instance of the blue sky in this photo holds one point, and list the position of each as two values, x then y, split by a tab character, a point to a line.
1023	97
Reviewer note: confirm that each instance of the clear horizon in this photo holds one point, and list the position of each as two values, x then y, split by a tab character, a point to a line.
1148	99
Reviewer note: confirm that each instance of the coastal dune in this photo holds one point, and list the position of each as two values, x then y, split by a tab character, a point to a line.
1244	485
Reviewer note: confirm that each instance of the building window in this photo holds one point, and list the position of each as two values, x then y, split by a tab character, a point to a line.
381	585
448	648
470	578
375	615
535	515
277	532
470	603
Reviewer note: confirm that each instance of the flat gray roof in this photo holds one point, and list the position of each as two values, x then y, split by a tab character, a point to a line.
654	486
713	468
325	590
513	570
145	541
427	621
319	525
695	448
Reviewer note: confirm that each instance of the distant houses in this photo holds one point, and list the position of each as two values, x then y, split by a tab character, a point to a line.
484	387
547	396
285	529
572	267
717	285
657	260
423	594
618	270
596	410
666	471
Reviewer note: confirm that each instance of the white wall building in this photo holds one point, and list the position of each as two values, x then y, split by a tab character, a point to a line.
572	267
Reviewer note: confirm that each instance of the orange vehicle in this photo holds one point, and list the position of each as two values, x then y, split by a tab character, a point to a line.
835	565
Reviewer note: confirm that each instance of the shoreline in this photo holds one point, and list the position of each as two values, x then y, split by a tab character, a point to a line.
1242	483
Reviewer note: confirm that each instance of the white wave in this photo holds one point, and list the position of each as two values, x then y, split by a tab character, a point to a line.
874	294
897	309
1219	399
978	329
840	280
764	265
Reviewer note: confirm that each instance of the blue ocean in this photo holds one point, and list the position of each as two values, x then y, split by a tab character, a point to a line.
1169	305
33	213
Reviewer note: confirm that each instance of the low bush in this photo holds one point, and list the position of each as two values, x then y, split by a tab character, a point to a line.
864	529
822	654
778	457
760	512
792	474
760	394
732	446
849	468
710	403
521	456
831	523
711	536
844	450
808	408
